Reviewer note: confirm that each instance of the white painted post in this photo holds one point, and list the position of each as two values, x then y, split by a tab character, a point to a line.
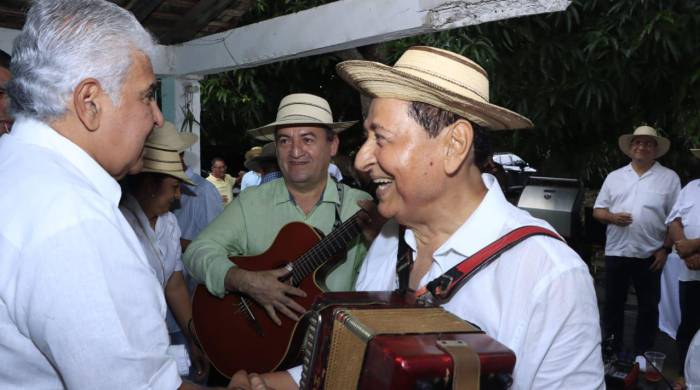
180	100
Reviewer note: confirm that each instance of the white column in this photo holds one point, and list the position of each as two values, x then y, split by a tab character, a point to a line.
180	103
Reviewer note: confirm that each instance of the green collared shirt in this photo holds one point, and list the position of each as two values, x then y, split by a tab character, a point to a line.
250	223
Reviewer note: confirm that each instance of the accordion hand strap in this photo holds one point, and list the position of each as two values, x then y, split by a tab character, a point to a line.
444	286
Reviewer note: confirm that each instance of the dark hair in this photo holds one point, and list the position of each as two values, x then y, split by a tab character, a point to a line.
4	60
434	119
215	159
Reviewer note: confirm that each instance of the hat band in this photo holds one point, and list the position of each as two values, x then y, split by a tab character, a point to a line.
320	107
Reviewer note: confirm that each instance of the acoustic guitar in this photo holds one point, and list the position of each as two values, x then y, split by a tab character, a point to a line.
235	331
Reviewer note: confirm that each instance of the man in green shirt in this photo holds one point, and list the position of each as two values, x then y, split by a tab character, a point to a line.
306	139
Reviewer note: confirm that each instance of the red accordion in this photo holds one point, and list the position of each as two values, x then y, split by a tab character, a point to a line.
382	340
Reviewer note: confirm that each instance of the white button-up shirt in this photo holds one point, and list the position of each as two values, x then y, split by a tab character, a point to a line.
649	198
537	298
80	307
687	208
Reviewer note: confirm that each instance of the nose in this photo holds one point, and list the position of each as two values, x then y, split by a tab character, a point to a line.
364	159
296	149
157	115
178	193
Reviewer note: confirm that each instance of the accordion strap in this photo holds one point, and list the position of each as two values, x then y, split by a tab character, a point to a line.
444	286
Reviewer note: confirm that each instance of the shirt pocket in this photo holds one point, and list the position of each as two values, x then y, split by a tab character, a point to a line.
653	206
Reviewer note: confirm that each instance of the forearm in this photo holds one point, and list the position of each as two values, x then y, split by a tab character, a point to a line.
675	230
208	263
602	215
179	302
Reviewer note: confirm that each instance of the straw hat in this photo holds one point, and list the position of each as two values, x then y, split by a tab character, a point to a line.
662	144
269	153
164	161
437	77
696	152
300	109
167	137
253	152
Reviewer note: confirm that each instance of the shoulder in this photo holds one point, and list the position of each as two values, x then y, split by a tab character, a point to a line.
354	193
667	172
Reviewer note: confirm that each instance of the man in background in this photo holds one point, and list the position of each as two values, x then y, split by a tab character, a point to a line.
221	180
5	120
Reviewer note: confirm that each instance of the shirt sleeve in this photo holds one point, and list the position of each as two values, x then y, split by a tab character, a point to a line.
673	194
95	312
602	201
680	207
561	345
207	257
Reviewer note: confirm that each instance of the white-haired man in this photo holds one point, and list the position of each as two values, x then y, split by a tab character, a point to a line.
634	202
70	264
425	144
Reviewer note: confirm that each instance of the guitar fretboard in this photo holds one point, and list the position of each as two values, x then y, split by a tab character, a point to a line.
334	243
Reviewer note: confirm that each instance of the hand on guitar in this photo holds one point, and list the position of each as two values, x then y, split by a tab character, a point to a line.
265	287
371	221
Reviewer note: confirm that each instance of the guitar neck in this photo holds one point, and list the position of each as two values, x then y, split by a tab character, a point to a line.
334	243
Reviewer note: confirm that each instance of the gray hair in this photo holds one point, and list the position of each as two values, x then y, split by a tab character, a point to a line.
66	41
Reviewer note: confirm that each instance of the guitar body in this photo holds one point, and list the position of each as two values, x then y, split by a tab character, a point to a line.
226	332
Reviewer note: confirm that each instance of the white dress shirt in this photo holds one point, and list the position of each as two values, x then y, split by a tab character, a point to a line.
687	208
335	173
80	307
692	364
649	198
199	205
537	298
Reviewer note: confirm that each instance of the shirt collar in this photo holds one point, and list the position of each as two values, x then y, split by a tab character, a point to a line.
482	227
282	195
37	133
654	167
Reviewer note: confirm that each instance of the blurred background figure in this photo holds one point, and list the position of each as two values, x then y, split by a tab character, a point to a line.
5	120
251	178
265	164
221	180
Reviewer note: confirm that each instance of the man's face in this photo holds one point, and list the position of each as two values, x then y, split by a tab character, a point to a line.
643	148
167	194
303	154
218	169
5	121
124	128
400	158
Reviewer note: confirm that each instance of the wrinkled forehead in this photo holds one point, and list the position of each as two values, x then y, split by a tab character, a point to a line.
301	130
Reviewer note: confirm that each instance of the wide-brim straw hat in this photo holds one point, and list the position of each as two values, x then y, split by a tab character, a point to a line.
269	153
167	137
696	152
300	109
437	77
625	141
164	161
252	152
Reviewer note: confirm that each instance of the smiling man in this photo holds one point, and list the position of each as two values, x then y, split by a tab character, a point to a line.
306	139
634	202
426	140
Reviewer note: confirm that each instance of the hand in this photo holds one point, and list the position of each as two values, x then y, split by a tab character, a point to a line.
660	257
370	221
244	381
200	363
621	219
224	198
265	287
685	248
693	261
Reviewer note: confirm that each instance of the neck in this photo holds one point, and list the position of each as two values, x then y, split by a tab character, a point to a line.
461	196
306	197
641	166
144	200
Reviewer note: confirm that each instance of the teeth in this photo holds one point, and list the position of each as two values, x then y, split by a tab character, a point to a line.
382	181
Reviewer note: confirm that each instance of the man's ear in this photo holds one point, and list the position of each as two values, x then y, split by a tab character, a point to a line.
335	143
87	103
460	136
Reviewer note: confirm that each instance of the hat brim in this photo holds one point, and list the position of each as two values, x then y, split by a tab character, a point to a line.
696	152
178	175
378	80
625	142
254	163
267	132
188	139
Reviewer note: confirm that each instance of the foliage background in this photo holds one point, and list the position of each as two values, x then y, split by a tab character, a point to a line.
584	76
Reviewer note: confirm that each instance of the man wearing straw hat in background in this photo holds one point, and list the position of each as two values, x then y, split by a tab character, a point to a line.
200	202
425	144
684	230
265	163
252	177
306	139
634	202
